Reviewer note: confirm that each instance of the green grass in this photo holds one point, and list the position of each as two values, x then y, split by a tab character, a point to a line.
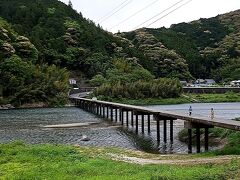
216	98
20	161
152	101
185	98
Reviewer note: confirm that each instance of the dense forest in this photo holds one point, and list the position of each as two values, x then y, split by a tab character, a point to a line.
23	81
210	46
43	41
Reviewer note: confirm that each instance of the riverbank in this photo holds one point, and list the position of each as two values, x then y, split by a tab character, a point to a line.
185	98
21	161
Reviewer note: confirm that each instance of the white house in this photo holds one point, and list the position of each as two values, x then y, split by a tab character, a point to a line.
72	81
235	83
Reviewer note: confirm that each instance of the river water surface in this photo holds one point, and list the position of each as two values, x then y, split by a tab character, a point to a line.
27	125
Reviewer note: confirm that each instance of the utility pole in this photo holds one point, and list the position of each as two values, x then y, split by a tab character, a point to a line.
70	3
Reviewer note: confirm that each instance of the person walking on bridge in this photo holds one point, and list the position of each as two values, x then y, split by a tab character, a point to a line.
212	113
190	110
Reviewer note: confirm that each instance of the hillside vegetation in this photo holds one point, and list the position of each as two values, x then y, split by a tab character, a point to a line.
41	41
210	46
63	36
21	79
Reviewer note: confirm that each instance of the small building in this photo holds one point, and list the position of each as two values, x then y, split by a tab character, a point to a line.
204	82
235	83
183	83
72	81
210	82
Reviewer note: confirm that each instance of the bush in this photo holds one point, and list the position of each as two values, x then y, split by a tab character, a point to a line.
160	88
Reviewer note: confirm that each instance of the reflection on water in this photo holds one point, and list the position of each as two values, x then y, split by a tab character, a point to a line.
27	125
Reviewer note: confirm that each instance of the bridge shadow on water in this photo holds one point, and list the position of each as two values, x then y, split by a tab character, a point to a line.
146	142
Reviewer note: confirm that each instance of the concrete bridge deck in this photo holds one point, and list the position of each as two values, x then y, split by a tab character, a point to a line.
218	122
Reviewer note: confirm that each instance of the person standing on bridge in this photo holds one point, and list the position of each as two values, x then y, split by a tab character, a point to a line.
190	110
212	113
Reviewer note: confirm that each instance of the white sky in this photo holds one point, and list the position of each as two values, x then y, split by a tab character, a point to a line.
96	9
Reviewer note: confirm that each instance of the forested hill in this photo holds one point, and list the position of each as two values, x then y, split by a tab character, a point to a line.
41	41
22	81
63	37
210	46
39	38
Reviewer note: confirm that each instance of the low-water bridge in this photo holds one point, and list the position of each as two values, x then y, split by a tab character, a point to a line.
130	115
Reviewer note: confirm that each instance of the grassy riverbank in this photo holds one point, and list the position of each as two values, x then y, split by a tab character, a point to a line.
185	98
20	161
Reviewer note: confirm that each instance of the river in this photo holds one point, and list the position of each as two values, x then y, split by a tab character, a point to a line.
27	125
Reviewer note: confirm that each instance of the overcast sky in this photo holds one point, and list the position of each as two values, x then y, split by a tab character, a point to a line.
97	9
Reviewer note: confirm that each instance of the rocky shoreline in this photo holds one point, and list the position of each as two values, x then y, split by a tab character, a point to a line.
27	106
6	106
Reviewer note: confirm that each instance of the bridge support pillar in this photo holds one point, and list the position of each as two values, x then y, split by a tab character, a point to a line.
189	141
116	114
132	118
165	131
136	122
198	143
107	112
171	131
122	116
165	119
97	109
143	123
127	118
198	127
100	109
206	138
111	113
104	111
158	131
149	128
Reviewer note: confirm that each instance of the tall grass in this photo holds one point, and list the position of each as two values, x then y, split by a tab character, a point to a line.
160	88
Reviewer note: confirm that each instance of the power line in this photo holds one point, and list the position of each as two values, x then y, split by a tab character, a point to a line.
149	5
169	13
170	7
116	11
112	10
